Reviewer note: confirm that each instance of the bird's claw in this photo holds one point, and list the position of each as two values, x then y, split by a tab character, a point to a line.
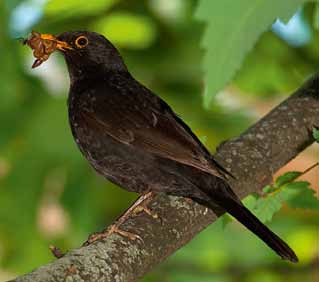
147	210
143	206
139	206
109	231
128	235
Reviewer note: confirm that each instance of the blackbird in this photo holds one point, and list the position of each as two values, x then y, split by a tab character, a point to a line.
133	138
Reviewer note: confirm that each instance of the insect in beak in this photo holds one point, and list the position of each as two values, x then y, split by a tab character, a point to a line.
43	45
61	45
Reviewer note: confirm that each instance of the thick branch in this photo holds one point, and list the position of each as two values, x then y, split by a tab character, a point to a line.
253	158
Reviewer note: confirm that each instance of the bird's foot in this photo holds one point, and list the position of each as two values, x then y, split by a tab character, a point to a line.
147	210
142	206
114	228
138	206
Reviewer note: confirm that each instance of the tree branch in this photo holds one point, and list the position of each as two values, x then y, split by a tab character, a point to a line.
253	157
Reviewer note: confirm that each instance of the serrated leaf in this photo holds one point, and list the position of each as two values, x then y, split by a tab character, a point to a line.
300	195
250	201
263	207
315	134
233	27
296	194
266	207
287	177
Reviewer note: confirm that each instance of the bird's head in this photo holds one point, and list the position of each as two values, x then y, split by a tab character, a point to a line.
86	53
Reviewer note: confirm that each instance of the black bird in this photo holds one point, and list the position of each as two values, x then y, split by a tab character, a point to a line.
134	139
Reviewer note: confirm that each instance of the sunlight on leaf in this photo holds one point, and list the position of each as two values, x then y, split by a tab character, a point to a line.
297	194
286	178
63	8
233	27
304	242
300	195
127	30
266	207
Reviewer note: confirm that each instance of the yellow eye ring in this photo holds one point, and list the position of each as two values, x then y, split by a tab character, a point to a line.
81	41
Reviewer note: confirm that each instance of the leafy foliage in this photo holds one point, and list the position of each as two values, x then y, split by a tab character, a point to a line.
264	208
296	194
315	133
230	36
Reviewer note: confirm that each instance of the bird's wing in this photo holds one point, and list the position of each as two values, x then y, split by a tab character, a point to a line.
152	126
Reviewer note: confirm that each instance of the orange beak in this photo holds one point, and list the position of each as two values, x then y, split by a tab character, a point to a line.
61	45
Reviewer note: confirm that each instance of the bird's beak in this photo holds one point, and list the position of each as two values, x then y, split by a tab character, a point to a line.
60	45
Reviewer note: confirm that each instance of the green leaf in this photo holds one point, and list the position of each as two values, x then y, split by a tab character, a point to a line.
315	134
296	194
286	178
266	207
269	189
300	195
250	201
233	27
263	207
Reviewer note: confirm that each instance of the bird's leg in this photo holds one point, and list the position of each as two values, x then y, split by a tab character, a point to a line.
138	206
143	205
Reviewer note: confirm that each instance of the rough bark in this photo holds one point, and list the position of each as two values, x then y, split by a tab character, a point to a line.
252	157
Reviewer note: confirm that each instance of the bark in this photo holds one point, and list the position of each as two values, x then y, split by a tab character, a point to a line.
252	157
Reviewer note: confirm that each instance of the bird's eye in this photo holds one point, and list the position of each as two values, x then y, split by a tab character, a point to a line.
81	41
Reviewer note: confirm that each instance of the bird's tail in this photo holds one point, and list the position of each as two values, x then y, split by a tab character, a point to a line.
234	207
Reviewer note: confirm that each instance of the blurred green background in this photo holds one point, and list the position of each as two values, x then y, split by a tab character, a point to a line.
50	195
